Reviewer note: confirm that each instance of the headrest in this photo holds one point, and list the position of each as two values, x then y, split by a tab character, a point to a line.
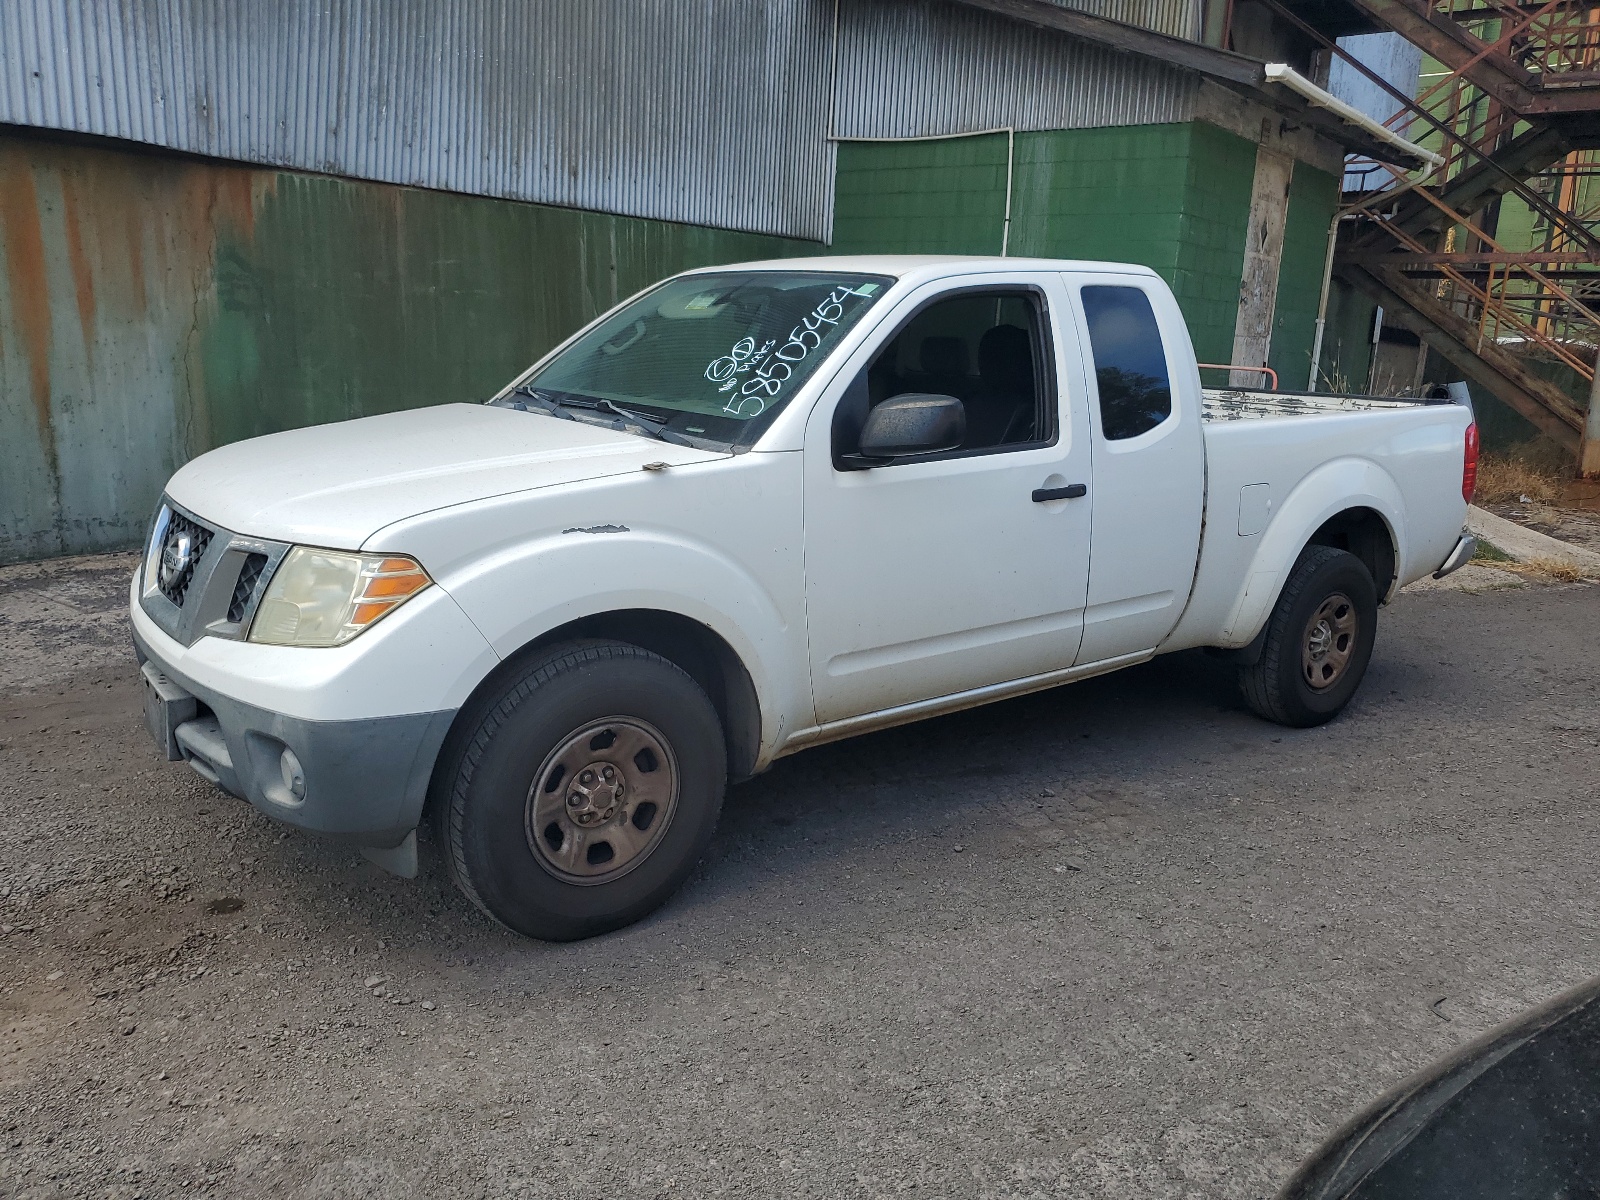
1005	357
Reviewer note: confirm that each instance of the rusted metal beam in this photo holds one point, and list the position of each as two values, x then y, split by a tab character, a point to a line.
1455	47
1478	275
1543	404
1450	137
1490	11
1492	177
1565	100
1589	451
1486	258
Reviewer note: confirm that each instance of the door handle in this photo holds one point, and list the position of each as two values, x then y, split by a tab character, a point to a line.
1071	492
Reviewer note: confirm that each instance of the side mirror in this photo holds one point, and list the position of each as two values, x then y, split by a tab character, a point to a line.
915	423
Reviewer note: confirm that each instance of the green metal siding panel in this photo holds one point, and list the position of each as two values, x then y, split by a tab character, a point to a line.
1313	197
153	307
420	297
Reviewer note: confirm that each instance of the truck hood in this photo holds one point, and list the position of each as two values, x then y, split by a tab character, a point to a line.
336	485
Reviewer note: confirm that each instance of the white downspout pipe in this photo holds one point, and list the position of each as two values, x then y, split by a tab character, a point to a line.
1322	301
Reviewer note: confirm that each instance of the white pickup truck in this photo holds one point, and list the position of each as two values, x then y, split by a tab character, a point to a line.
753	509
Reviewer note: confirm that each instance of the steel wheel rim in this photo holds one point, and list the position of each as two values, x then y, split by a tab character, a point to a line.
602	800
1329	642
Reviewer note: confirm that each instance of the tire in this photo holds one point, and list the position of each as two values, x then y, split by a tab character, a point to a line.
581	794
1318	641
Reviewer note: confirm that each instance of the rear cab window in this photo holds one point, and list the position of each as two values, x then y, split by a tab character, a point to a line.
1130	361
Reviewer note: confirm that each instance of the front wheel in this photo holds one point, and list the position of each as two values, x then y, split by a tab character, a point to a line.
1318	641
585	793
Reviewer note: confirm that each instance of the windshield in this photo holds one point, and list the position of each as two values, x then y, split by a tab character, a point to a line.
712	357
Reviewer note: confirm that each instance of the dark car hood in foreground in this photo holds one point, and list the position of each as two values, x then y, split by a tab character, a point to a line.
1514	1115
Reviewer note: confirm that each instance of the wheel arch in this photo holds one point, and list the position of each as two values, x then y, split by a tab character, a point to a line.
1364	532
1351	504
699	651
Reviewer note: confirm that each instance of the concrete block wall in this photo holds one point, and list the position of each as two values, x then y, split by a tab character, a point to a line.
1174	197
1313	197
945	196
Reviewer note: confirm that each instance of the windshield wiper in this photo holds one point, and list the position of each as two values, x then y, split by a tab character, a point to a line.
540	403
554	408
656	429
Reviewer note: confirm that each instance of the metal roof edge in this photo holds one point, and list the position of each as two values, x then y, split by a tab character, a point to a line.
1239	72
1179	52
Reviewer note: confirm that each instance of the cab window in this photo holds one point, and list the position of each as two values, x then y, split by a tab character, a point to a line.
984	347
1130	363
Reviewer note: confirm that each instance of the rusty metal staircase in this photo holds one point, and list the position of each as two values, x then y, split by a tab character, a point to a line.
1515	111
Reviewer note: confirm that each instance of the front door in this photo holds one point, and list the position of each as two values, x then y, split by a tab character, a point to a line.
942	574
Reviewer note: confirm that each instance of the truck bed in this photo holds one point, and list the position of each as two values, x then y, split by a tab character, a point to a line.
1242	404
1271	473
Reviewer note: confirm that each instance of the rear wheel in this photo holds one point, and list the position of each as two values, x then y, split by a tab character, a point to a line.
584	793
1318	640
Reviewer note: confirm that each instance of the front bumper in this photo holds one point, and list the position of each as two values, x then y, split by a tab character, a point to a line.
363	780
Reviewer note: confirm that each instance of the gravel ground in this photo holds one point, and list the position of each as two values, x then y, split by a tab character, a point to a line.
1120	939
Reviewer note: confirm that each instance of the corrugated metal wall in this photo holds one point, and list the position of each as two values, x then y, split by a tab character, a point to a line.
907	70
1180	18
709	112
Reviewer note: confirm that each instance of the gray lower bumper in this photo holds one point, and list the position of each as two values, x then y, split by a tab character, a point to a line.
363	781
1459	557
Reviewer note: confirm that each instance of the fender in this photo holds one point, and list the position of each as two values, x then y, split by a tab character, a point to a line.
1332	488
524	591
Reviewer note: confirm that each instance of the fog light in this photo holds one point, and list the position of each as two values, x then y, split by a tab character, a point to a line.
294	775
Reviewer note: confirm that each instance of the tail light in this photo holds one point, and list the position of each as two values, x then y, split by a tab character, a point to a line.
1469	464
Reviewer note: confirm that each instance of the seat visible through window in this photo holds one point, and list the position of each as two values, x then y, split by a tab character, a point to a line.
983	348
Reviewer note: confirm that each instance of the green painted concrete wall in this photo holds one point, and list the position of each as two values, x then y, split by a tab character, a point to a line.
1313	197
925	197
152	307
1173	197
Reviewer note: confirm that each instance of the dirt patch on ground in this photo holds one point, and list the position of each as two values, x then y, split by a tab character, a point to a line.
1577	526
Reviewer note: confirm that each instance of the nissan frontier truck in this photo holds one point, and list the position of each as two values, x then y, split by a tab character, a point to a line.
751	510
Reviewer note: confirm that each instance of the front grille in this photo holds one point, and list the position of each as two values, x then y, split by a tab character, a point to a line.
174	583
249	576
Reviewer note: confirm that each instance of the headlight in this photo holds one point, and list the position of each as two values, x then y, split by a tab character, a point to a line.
326	597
